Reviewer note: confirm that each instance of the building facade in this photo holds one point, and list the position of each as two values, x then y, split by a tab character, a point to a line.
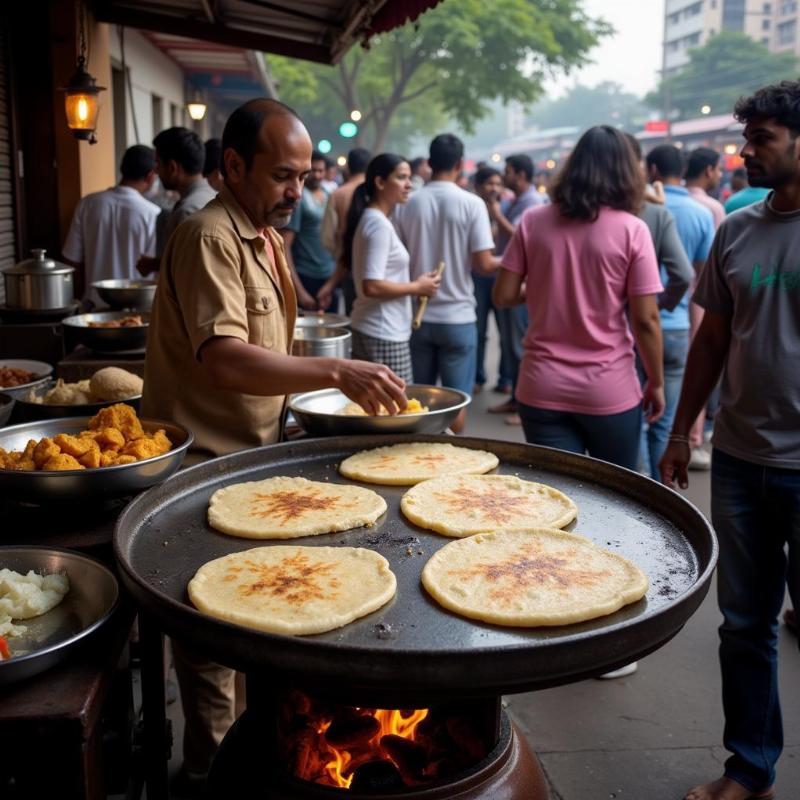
691	23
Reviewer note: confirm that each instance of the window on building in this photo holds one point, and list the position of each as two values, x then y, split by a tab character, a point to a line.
158	113
693	10
765	23
787	8
767	8
787	32
174	118
693	40
733	12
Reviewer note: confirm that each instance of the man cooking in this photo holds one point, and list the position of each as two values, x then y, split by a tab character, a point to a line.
218	357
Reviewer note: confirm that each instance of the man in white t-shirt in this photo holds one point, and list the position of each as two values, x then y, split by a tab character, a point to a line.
442	222
112	229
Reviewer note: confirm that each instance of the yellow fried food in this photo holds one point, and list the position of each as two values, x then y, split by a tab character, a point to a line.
119	416
45	450
62	461
115	436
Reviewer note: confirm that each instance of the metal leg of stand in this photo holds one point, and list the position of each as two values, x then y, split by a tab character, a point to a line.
154	709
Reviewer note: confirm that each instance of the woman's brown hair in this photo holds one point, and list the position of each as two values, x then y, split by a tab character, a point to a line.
600	171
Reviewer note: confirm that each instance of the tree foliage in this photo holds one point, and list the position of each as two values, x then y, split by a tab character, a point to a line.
450	64
726	67
605	104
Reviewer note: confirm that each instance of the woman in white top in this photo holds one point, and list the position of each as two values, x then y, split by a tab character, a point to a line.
382	312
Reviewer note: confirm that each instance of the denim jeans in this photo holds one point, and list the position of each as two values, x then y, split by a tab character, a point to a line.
313	285
655	436
513	323
609	437
446	352
483	307
756	513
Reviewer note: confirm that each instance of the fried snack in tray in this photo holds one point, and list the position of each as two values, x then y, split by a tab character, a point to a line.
114	436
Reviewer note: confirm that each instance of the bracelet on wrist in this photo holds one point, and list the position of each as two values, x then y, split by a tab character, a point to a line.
680	438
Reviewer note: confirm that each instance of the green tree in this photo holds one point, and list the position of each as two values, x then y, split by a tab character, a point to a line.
455	59
726	67
584	106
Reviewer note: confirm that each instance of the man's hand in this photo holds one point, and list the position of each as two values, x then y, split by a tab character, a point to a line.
428	284
653	401
305	300
147	265
494	207
674	464
325	295
372	386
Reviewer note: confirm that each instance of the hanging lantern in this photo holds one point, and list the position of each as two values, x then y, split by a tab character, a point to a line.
197	110
81	94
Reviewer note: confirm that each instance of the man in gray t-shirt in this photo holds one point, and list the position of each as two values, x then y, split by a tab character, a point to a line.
750	290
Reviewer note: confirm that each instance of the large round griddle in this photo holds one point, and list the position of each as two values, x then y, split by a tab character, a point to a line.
412	645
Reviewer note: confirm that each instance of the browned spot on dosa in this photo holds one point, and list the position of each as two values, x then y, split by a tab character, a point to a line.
288	505
293	579
495	505
430	460
530	567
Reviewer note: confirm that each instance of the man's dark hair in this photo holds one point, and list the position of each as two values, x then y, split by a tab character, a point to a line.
521	163
600	172
244	126
667	159
317	156
416	163
699	159
740	172
779	102
357	160
635	146
183	146
213	156
137	162
484	173
446	151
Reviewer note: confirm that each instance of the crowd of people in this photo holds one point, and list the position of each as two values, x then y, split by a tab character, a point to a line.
632	307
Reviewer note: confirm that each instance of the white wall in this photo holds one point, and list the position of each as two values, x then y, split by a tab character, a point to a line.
152	72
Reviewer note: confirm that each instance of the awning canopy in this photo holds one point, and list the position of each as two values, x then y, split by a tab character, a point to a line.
316	30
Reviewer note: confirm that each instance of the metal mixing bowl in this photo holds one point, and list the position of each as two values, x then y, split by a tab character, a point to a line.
132	294
108	340
28	410
45	487
316	413
51	637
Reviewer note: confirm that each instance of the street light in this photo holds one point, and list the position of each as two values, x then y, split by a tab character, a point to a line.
348	130
341	161
550	164
731	149
705	109
495	157
355	115
324	146
197	109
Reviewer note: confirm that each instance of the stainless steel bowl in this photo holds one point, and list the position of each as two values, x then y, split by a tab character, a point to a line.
320	341
322	321
132	294
108	340
45	487
6	408
28	410
51	637
316	413
40	369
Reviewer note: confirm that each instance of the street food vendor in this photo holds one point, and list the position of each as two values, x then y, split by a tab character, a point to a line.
218	356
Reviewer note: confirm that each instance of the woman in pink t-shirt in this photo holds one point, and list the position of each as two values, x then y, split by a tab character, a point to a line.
586	268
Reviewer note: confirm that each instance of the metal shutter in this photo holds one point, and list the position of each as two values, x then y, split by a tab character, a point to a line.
7	244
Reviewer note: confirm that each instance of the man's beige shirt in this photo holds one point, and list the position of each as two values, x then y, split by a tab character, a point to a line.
217	279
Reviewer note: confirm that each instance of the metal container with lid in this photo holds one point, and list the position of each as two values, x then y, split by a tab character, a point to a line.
38	283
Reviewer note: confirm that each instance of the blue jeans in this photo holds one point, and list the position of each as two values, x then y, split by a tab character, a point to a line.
313	285
655	436
610	437
513	323
440	350
484	306
756	513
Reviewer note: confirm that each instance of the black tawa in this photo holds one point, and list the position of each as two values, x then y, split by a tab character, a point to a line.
412	646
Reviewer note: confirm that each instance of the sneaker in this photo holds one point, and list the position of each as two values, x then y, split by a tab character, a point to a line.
622	672
700	459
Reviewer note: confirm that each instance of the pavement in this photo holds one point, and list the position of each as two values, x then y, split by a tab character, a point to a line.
652	735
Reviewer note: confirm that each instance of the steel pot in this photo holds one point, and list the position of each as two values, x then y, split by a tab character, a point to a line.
38	284
329	342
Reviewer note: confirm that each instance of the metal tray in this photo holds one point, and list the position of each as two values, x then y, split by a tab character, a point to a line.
70	485
108	340
120	293
27	411
316	413
412	644
52	637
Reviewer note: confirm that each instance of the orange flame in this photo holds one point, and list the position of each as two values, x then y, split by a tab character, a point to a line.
341	767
